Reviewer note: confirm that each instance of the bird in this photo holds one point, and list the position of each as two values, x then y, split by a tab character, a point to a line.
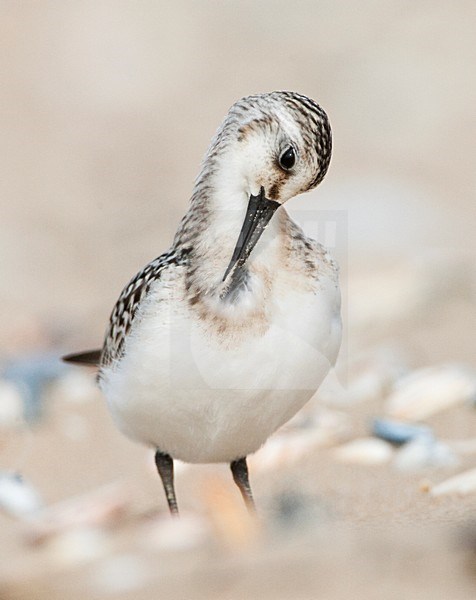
219	341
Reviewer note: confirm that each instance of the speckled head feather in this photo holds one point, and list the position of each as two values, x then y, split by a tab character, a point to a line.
266	110
267	123
285	114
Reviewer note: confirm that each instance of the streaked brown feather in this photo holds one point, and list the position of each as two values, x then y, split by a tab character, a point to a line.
132	295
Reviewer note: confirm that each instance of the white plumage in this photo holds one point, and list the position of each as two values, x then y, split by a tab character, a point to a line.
205	395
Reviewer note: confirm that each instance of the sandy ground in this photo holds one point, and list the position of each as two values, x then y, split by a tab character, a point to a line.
106	111
325	528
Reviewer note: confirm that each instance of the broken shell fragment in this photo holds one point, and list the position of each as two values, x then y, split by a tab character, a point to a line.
364	451
78	546
462	484
429	391
324	429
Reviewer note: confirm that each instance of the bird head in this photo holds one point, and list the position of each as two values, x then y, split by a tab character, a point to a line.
278	145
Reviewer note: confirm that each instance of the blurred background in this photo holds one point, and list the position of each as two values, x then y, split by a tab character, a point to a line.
107	108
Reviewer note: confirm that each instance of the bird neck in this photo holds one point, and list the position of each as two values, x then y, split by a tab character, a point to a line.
209	233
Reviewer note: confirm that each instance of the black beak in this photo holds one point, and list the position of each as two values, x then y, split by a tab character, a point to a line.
258	215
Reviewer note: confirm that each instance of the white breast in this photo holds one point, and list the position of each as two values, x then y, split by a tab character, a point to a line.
184	390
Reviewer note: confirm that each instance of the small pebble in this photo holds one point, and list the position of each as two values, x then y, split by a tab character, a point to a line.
364	451
398	433
462	484
429	391
425	486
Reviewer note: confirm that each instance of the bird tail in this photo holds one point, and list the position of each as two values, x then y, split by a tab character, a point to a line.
88	358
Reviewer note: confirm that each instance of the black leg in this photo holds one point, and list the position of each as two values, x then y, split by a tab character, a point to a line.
165	467
239	468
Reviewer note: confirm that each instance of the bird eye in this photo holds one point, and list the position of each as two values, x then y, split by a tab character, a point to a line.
288	158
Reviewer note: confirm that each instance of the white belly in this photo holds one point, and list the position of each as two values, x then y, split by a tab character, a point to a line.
182	390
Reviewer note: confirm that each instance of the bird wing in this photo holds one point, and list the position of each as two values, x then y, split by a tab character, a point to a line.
126	306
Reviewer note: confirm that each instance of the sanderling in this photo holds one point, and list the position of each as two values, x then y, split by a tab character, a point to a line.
219	341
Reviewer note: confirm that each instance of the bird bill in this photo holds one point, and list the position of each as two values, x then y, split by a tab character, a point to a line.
258	215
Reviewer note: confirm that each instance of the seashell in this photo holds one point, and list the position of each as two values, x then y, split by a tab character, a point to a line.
429	391
464	483
398	433
425	452
326	428
78	546
364	451
120	574
17	497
